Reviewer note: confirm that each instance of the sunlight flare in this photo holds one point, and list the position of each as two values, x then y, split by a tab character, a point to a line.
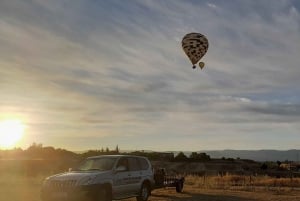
11	131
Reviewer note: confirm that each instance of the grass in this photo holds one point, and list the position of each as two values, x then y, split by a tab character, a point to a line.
16	187
242	182
21	187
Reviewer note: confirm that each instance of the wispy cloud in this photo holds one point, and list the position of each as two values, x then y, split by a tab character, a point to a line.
115	72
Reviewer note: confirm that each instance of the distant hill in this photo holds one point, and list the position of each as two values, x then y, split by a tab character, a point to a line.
38	151
257	155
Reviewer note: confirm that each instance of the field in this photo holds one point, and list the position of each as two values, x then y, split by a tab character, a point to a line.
196	194
227	188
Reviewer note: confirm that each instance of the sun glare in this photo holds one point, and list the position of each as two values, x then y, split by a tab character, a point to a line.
11	131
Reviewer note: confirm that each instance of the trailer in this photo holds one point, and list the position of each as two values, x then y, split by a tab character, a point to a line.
162	180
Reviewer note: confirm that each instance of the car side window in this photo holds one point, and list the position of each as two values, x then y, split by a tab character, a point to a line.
123	162
134	164
144	164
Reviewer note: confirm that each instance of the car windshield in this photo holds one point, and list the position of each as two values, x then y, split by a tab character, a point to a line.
98	164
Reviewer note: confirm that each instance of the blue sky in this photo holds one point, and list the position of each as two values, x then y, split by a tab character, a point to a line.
91	74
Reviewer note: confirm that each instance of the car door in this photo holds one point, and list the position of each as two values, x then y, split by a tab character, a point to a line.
123	182
135	174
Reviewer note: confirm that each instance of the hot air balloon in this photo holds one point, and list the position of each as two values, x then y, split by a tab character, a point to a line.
195	46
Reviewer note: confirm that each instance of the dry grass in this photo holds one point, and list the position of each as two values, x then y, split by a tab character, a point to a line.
243	182
18	187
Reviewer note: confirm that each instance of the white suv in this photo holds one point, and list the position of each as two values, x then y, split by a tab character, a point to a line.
102	178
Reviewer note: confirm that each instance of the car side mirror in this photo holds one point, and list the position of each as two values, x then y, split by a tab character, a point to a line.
121	168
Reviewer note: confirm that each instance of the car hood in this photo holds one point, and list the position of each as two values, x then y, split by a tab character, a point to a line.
80	176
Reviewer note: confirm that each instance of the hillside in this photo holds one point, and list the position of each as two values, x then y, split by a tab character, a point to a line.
257	155
212	167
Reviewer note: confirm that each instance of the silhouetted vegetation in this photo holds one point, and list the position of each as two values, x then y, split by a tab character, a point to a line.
264	166
195	157
181	157
37	151
38	159
154	156
90	153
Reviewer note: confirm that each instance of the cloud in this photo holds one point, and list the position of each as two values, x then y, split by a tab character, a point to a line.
277	109
115	67
213	6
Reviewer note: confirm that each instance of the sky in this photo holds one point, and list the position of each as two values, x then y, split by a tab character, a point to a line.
90	74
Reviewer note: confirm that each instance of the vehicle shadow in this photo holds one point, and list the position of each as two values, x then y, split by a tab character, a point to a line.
186	196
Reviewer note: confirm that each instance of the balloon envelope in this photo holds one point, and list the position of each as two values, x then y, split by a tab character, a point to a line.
201	65
195	46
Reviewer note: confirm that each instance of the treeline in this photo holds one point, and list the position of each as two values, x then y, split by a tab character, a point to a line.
194	157
39	152
40	160
170	157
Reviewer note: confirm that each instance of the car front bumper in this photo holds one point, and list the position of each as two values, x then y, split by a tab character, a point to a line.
76	193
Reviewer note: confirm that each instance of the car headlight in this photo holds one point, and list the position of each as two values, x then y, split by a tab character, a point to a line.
46	182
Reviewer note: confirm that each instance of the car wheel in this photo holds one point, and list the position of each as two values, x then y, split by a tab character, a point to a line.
144	193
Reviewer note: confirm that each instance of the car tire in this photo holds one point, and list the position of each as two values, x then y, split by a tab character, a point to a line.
144	193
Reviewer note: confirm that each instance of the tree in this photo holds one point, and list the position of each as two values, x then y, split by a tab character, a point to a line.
181	157
264	166
278	164
194	156
199	157
117	149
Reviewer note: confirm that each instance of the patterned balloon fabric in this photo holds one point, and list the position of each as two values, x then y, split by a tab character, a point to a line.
195	46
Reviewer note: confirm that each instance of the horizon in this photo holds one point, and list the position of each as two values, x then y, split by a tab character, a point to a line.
254	155
148	150
76	74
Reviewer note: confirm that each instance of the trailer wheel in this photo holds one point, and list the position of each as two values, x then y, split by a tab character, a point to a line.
179	186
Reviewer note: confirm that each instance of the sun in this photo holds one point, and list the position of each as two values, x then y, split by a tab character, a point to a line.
11	131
